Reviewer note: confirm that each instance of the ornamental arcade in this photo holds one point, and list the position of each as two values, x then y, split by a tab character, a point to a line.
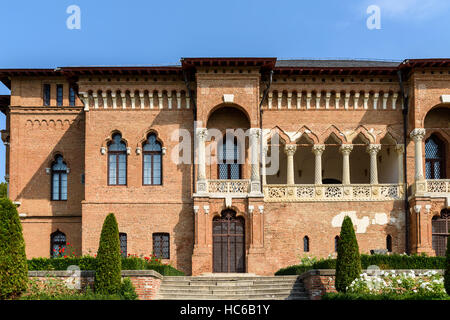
231	164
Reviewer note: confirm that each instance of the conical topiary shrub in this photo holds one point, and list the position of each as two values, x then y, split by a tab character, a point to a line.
447	268
13	261
348	263
108	261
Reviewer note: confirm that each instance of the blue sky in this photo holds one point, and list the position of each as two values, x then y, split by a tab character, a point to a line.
146	32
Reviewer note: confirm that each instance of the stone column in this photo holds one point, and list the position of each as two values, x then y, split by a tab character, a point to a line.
201	138
318	149
373	150
400	149
290	151
255	134
263	164
417	135
345	149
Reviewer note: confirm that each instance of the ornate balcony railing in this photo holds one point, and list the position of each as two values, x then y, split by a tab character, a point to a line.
332	192
438	186
228	186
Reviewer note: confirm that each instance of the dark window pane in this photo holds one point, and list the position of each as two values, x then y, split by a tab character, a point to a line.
123	244
71	96
46	94
59	95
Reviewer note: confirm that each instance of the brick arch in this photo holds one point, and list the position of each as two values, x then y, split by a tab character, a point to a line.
108	139
363	131
228	105
145	135
440	105
332	130
388	131
441	134
277	130
304	131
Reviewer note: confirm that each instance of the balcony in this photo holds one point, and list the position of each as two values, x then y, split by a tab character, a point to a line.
432	187
232	187
333	192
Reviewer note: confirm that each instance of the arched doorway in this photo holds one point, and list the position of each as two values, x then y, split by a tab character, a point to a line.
228	243
441	232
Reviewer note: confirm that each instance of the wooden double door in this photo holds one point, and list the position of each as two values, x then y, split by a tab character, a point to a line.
228	243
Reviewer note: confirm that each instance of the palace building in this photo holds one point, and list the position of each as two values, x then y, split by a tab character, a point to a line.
313	141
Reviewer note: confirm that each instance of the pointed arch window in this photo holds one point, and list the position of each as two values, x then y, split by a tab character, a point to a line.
59	179
57	244
306	244
434	158
123	244
117	161
229	155
389	243
152	161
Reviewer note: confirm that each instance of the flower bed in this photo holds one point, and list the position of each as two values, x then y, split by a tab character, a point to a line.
392	285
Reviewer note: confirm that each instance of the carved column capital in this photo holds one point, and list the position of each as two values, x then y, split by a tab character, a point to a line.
202	133
373	148
345	149
318	149
417	134
290	149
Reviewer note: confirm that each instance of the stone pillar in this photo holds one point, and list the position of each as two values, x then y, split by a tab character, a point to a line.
201	138
255	184
345	149
417	135
263	164
114	99
290	151
318	149
400	149
373	150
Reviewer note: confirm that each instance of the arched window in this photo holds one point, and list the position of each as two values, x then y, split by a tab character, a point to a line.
152	161
59	179
57	244
117	161
336	243
389	243
123	244
229	167
440	227
161	245
306	244
434	158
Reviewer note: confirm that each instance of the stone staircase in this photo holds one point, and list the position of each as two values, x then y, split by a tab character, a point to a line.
232	287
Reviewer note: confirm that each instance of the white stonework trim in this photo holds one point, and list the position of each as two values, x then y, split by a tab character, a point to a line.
261	209
102	150
206	208
228	98
196	209
417	208
445	98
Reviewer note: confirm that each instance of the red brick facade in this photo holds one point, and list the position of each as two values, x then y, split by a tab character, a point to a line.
305	106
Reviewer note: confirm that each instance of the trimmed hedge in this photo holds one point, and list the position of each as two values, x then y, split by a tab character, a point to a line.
109	263
385	262
89	263
348	263
13	261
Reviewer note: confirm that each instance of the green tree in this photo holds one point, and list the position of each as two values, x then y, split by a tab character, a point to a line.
13	261
109	263
447	268
3	190
348	262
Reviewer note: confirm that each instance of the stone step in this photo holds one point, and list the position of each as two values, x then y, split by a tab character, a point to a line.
228	283
222	278
234	292
255	287
234	297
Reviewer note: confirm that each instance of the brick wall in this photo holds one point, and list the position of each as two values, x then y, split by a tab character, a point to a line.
145	282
